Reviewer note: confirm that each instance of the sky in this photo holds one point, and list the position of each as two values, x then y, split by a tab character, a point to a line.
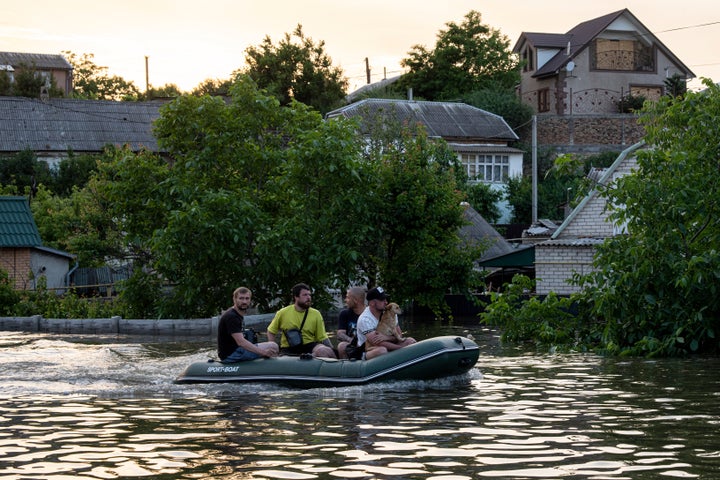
189	41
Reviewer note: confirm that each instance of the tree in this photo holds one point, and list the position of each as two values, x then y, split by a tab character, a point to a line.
25	172
484	199
91	81
213	87
676	85
297	69
467	57
655	290
169	90
414	249
31	83
503	103
258	195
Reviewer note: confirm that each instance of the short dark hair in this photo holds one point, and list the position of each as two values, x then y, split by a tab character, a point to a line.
299	288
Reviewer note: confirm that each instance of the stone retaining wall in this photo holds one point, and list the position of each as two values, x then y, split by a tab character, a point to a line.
585	133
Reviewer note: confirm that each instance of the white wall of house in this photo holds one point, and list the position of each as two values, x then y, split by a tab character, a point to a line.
556	262
493	166
53	267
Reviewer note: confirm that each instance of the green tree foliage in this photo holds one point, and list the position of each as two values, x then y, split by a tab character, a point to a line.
24	172
169	90
676	85
297	69
546	323
256	196
73	171
656	288
30	83
484	199
213	87
562	182
467	57
92	81
416	207
5	84
503	103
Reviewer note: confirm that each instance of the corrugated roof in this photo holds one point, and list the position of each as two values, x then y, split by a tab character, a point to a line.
36	60
448	120
479	231
59	124
17	227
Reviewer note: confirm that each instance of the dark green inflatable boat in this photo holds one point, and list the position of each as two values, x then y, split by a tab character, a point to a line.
425	360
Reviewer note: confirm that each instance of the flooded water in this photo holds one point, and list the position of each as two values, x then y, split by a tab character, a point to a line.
105	408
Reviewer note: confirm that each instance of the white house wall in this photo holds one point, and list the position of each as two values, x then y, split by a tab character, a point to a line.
53	267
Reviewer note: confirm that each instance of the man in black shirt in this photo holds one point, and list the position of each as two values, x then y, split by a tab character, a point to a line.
232	344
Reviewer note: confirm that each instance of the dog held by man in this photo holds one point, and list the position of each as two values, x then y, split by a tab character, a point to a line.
378	342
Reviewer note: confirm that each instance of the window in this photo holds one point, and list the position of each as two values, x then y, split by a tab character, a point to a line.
544	100
622	55
528	57
486	168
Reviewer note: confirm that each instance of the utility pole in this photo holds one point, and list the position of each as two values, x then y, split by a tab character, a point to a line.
147	77
367	69
534	171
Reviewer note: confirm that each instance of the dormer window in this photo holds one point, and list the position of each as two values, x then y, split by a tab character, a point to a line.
620	54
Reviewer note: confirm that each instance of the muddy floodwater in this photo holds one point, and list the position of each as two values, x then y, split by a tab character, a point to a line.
94	407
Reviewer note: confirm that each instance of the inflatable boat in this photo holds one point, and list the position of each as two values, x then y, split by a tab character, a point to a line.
425	360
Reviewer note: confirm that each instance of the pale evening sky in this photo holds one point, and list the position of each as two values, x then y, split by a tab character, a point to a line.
188	41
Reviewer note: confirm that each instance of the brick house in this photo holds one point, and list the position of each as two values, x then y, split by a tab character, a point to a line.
22	254
481	139
589	69
571	247
47	65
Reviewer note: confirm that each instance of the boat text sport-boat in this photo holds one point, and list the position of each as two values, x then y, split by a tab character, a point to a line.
425	360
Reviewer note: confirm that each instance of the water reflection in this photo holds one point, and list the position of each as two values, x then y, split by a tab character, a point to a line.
107	408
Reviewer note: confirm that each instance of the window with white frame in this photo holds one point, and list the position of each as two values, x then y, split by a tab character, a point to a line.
486	167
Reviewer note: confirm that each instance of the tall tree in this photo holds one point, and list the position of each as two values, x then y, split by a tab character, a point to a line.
467	57
255	196
92	81
297	69
414	204
656	288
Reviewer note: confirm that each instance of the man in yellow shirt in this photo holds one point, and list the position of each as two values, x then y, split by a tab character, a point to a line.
301	316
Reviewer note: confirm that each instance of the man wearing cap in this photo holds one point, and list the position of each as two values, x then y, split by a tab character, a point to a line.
368	321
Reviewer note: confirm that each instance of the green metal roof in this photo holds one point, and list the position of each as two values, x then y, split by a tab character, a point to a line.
522	257
17	227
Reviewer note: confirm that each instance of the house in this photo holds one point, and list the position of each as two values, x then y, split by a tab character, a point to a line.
52	127
47	65
571	248
594	65
481	139
22	254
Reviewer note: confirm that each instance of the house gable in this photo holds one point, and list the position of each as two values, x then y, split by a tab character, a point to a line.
595	64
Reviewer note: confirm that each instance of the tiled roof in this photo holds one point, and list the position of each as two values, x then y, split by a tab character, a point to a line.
17	227
448	120
36	60
59	124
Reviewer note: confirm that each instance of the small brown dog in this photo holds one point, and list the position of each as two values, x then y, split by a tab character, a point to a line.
388	322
